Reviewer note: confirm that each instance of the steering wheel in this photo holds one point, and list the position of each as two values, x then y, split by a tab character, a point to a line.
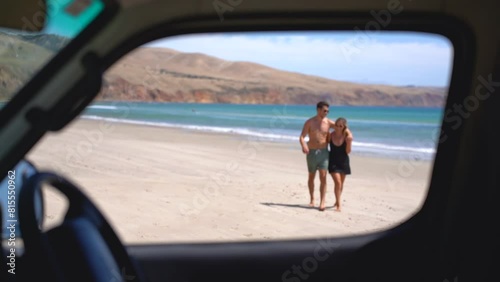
83	247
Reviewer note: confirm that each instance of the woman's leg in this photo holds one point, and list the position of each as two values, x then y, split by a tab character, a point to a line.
337	189
342	180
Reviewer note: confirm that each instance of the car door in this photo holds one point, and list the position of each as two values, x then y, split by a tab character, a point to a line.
429	246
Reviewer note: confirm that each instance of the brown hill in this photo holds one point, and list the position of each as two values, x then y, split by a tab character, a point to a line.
19	60
160	74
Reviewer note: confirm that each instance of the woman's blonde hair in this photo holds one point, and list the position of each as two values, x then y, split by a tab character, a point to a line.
343	121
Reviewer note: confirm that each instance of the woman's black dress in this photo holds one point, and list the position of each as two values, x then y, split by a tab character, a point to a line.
339	159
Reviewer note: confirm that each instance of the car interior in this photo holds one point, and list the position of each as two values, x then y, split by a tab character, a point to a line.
451	237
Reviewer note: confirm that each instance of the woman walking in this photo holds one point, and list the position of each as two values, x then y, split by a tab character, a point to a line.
338	163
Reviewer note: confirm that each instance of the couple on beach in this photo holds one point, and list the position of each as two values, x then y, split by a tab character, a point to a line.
319	158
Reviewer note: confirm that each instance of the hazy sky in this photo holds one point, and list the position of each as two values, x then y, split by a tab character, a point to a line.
385	57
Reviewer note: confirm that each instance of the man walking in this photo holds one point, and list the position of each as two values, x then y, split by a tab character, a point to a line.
316	149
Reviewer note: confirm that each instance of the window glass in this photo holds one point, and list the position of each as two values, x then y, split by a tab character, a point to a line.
23	52
196	138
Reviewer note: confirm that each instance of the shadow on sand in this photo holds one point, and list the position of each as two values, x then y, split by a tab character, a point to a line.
291	205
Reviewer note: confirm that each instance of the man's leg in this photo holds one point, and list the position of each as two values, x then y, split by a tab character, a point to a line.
311	167
322	188
310	183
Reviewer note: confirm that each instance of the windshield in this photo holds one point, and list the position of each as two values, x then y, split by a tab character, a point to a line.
195	138
24	53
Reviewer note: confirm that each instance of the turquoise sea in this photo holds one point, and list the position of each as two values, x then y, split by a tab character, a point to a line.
394	132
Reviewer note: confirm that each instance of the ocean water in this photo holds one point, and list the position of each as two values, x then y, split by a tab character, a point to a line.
393	132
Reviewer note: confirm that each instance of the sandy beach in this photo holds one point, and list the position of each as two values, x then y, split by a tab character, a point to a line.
157	184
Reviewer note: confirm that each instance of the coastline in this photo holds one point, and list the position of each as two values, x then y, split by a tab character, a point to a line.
159	184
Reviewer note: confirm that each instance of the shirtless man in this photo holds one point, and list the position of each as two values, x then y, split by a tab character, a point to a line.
317	128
